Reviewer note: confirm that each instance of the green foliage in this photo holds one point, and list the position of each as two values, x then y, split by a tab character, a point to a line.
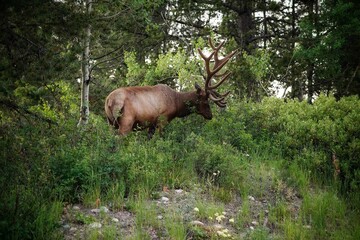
312	134
322	212
258	64
45	164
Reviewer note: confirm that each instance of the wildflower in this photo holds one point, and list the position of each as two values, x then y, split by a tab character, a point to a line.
224	233
220	218
210	218
231	220
196	209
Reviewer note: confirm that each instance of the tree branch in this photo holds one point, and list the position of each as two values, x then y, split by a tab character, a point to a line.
12	105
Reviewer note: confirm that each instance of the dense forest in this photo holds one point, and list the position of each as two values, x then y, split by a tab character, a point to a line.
281	161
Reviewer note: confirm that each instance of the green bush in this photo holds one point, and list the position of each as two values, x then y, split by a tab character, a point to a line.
311	134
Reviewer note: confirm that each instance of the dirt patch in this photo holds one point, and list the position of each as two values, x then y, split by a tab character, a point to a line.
240	217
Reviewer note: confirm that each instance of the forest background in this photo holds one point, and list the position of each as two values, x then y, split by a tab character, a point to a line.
60	59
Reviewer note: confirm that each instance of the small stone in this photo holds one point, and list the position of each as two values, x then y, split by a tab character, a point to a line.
73	229
251	198
159	217
66	226
104	209
254	223
115	220
218	226
164	199
95	225
95	210
76	208
178	191
252	228
197	223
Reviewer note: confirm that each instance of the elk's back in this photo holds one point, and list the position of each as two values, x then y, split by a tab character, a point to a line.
142	104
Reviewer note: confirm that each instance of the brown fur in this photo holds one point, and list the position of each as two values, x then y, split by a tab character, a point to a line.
130	108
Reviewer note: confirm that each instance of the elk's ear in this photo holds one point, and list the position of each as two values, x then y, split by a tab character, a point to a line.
198	88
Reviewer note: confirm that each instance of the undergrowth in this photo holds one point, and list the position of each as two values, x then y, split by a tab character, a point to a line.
264	150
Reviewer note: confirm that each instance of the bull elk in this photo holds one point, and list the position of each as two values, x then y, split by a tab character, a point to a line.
130	108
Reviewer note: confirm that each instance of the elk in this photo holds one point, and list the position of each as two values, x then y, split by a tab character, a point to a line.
131	108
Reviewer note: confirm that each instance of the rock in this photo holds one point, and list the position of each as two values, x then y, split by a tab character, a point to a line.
76	208
95	225
115	220
104	209
164	199
251	198
73	229
218	226
95	210
197	223
66	227
159	217
101	209
254	223
178	191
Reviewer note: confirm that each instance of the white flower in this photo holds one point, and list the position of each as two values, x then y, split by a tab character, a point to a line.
196	209
220	218
224	233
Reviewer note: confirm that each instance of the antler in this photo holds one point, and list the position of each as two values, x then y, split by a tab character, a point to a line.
218	98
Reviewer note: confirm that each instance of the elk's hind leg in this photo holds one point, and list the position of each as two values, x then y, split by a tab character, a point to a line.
126	125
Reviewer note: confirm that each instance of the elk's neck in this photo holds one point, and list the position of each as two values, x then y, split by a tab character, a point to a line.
185	103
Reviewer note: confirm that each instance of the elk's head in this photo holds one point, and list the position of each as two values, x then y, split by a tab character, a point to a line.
202	102
203	95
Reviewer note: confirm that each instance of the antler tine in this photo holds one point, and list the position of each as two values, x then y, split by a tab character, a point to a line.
217	97
211	87
218	65
207	65
213	47
220	102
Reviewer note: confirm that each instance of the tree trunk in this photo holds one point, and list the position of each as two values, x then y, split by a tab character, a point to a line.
245	29
265	23
85	70
311	64
310	81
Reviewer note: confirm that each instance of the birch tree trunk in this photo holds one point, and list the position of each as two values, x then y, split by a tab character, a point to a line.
85	70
